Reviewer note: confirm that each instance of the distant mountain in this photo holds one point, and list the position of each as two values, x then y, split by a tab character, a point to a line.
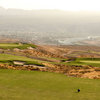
49	26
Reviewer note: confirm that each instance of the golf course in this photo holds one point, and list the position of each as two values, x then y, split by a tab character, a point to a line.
49	49
46	85
34	85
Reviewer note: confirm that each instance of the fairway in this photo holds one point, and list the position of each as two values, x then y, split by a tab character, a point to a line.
33	85
90	61
95	62
9	45
15	45
7	58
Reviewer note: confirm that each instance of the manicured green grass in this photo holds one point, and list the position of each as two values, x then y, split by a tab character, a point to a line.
86	61
92	59
98	62
33	85
15	45
7	58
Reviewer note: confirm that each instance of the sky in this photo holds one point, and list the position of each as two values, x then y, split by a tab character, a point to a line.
69	5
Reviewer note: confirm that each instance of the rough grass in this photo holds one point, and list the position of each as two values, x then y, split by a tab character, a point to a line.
7	58
15	45
33	85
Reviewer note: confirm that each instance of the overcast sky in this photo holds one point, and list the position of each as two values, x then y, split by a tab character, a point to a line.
73	5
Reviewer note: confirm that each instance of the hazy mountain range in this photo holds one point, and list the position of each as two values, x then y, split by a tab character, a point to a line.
51	26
